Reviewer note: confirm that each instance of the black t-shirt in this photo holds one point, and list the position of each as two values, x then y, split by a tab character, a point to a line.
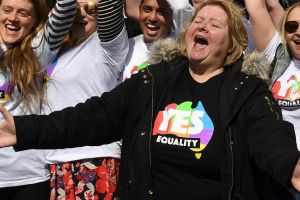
187	145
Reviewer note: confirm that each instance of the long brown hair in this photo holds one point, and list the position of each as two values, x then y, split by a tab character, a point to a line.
237	29
22	62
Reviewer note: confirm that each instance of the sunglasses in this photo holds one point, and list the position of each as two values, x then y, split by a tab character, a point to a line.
90	8
291	26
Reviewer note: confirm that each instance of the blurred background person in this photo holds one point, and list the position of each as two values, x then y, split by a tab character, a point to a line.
89	63
157	19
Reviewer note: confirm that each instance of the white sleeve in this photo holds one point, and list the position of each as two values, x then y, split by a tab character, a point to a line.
271	48
182	13
55	156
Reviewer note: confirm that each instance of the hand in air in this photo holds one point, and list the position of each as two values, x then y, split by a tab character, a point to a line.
7	129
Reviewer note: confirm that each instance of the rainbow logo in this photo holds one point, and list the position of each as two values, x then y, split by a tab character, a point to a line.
192	126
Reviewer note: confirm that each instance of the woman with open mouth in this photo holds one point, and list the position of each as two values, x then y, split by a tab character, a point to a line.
198	123
29	42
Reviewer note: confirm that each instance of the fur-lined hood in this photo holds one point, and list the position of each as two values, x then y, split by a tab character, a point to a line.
254	63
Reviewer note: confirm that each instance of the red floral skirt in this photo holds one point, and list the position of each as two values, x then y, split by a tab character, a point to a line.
94	179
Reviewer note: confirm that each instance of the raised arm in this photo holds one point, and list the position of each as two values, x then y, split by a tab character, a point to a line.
276	11
110	19
59	22
112	34
262	24
182	13
132	9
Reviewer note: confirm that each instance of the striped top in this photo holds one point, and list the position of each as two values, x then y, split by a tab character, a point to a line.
110	19
59	22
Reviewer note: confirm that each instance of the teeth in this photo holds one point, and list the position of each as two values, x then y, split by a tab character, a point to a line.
12	27
152	25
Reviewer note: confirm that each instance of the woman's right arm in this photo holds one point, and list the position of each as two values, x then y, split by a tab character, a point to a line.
262	25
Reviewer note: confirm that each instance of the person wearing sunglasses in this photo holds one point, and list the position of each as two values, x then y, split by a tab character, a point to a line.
279	40
89	63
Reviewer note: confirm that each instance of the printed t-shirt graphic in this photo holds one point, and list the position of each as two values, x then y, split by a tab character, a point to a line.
137	56
49	71
137	68
5	85
5	91
183	125
286	89
187	141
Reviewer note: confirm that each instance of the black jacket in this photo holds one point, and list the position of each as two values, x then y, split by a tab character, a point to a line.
259	145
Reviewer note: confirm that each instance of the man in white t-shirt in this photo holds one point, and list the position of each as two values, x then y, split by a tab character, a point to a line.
157	19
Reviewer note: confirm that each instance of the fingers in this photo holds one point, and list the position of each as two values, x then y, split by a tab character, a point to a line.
7	129
6	115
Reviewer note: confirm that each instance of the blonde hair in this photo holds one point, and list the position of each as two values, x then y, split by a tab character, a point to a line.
282	29
237	29
22	62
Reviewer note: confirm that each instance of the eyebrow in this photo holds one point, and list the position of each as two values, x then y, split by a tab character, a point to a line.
18	9
211	19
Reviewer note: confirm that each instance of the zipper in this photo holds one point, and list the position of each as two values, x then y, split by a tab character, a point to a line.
232	162
271	104
151	122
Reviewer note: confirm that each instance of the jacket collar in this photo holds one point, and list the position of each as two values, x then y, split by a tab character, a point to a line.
241	78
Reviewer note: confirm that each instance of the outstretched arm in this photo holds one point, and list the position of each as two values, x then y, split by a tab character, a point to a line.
262	24
100	120
7	129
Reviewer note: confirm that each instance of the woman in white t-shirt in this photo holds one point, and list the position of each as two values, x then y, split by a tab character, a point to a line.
30	40
89	63
282	47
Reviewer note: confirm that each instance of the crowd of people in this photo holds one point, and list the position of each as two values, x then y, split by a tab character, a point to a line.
149	99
